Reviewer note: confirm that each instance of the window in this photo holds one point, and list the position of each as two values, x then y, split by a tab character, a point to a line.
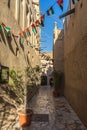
4	74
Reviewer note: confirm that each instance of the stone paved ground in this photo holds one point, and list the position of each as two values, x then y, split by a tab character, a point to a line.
61	115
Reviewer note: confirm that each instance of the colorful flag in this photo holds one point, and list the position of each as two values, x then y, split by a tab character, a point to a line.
42	17
3	25
21	38
37	22
0	26
7	29
50	11
42	21
28	32
24	33
60	3
29	44
22	41
8	33
34	29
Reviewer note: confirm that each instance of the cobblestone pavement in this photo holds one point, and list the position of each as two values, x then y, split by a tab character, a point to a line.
61	115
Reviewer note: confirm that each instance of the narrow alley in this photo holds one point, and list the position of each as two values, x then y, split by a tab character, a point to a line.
52	113
43	65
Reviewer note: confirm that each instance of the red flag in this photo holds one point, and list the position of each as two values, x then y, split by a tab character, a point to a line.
37	22
42	17
60	2
42	20
34	28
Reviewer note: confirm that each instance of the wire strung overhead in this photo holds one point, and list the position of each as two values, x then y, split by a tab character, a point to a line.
38	23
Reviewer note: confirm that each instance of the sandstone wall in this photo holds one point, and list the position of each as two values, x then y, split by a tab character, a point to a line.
12	53
59	55
58	49
16	56
75	58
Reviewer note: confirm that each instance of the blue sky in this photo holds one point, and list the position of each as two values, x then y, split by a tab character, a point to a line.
47	30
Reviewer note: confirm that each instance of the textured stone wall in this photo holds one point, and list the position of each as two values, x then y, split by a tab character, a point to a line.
12	53
16	56
59	55
58	50
75	58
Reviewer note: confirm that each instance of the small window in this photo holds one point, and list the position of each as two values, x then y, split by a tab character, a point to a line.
4	74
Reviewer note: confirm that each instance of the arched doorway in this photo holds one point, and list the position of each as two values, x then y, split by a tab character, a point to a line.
43	80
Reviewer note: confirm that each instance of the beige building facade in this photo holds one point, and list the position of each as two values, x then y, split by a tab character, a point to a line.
75	60
18	15
58	49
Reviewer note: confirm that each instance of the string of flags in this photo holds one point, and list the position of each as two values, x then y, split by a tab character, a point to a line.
38	23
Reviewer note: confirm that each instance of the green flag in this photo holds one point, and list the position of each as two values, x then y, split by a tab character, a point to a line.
34	29
50	11
22	41
0	26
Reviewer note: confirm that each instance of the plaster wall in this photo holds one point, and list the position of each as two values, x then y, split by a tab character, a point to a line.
13	54
75	59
